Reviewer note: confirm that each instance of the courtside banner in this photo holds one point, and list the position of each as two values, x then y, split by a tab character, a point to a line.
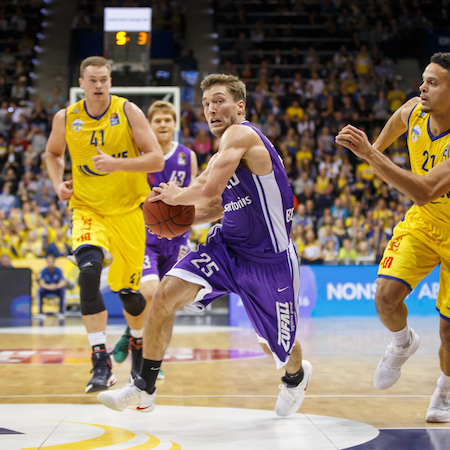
346	291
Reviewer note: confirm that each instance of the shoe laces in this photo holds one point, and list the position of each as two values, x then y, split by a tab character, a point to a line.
100	359
130	391
288	393
134	346
398	350
444	396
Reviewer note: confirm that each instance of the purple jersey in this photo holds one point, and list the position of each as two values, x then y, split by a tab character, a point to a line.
251	254
258	210
162	254
177	168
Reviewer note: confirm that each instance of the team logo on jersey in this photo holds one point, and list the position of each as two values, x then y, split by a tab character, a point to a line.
150	178
182	159
114	120
446	151
422	114
77	125
238	204
415	133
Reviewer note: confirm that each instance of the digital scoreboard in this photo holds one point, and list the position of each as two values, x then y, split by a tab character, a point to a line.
127	35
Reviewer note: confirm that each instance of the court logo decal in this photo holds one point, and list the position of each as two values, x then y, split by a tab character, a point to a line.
88	427
110	437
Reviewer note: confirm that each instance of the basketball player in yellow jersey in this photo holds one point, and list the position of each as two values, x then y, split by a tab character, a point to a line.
112	147
422	240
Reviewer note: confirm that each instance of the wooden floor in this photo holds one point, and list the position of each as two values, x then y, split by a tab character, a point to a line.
221	367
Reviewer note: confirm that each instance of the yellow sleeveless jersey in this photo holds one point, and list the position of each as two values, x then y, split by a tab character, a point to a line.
426	151
104	193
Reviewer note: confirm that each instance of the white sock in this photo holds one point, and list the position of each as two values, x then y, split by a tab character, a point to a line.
444	381
401	337
137	334
97	338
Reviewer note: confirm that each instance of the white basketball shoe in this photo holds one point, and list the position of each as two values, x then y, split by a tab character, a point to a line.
439	409
291	398
131	396
389	368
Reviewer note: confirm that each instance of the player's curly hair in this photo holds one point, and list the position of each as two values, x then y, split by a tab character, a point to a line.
441	58
234	85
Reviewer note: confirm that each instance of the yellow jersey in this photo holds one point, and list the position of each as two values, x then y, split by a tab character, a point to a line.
104	193
426	151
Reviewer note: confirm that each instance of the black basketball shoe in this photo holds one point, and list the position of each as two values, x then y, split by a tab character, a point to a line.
136	357
102	377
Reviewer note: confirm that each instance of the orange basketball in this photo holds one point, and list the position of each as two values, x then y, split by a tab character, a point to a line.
166	220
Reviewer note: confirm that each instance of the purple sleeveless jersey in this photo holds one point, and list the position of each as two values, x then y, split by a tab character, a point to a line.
251	255
258	210
162	254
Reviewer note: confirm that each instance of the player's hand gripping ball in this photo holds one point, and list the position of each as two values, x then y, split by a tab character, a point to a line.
166	220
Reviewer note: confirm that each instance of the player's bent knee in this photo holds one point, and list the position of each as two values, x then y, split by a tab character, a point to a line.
390	295
90	254
386	305
91	301
147	290
167	300
133	302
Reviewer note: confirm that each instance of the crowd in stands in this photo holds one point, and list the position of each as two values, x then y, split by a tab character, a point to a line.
31	220
343	213
20	25
312	67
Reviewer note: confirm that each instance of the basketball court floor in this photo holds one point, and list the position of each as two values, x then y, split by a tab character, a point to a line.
219	391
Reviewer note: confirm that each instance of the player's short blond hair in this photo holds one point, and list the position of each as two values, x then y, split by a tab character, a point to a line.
233	84
161	107
97	61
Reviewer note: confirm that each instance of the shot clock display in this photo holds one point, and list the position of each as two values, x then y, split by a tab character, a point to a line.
127	35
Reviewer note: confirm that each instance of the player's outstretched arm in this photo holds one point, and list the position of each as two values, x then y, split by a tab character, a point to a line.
421	189
206	187
396	125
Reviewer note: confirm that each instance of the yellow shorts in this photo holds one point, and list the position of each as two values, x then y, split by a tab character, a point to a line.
416	248
121	236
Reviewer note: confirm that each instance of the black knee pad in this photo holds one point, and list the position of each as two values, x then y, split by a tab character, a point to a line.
133	302
90	262
89	254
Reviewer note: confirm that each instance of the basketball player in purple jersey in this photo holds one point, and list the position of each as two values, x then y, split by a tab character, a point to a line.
180	167
250	253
